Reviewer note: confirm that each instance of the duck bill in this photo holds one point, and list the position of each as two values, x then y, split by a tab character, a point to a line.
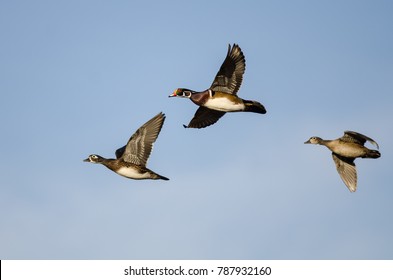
86	160
307	142
172	95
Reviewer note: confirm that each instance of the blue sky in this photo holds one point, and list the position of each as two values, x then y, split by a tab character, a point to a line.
79	77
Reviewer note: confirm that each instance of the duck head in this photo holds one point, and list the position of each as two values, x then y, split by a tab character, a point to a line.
182	92
94	159
314	140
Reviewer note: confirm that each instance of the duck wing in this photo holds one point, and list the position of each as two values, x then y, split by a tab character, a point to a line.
139	146
204	117
119	152
355	137
347	169
230	76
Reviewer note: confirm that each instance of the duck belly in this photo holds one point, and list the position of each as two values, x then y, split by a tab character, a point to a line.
224	104
132	173
350	151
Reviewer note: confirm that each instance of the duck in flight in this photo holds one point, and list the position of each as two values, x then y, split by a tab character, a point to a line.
131	159
344	151
221	97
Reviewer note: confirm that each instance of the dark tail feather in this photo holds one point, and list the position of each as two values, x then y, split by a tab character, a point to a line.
373	154
160	177
164	178
254	106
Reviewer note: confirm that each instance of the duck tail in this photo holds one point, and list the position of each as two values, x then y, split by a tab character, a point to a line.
164	178
254	106
159	177
373	154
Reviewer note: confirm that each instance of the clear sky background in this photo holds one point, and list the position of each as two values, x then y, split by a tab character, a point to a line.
79	77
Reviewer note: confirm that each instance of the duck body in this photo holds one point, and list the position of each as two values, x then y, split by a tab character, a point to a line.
218	101
344	152
131	159
125	169
221	97
225	102
138	173
350	150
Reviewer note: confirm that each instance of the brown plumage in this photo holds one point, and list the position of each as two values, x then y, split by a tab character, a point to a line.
131	159
344	152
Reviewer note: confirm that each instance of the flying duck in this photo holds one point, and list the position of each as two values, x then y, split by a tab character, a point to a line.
131	159
221	97
344	151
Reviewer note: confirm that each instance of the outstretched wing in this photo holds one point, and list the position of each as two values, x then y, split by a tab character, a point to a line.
347	170
204	117
358	138
139	146
230	76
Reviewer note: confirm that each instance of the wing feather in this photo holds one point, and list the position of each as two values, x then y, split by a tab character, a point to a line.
356	137
140	144
204	117
346	168
230	76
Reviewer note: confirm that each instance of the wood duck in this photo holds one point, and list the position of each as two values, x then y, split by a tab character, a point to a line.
131	159
221	96
344	151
